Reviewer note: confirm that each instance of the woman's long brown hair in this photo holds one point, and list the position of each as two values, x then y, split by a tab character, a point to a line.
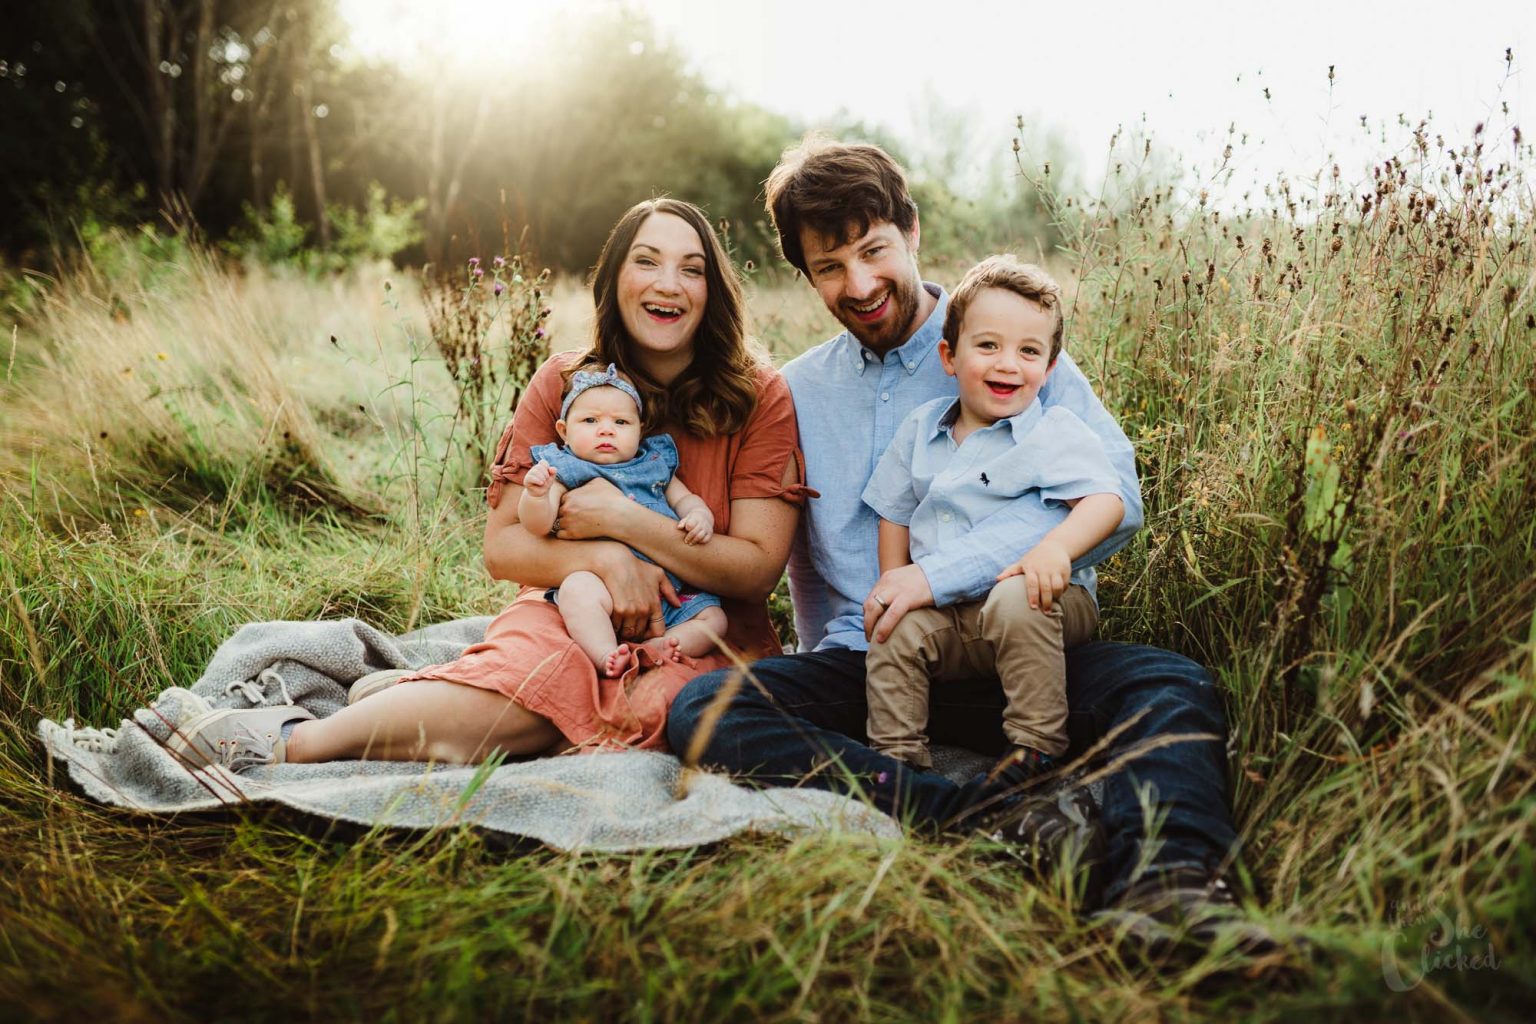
717	393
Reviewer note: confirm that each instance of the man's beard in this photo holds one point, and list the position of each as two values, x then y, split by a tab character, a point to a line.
896	326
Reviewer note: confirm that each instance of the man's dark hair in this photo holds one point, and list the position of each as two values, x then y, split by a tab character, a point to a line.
837	190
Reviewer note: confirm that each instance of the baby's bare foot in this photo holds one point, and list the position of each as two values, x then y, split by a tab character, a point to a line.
617	661
664	649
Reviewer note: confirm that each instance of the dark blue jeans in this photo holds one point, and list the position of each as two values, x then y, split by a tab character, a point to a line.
800	719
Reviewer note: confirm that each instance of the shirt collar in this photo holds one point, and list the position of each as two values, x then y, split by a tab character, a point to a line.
922	344
1017	425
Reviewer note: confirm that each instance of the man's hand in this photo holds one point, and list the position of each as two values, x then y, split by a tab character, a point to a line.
697	526
595	509
537	480
897	592
1047	569
637	589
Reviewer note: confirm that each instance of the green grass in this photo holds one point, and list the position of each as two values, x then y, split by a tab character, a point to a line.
1334	427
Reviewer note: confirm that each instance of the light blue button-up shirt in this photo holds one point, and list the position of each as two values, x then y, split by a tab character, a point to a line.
941	489
849	403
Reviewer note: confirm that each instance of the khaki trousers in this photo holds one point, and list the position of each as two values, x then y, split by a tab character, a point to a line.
1001	638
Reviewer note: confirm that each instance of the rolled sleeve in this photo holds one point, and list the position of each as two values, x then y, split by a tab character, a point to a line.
1074	463
770	447
533	424
889	491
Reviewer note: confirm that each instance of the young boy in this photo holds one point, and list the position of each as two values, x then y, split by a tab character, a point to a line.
951	464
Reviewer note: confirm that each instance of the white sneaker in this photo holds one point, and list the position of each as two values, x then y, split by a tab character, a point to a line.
375	682
235	738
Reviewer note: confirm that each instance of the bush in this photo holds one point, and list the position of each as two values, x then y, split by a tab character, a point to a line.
275	237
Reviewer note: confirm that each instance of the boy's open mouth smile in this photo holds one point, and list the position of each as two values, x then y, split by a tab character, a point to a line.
1002	390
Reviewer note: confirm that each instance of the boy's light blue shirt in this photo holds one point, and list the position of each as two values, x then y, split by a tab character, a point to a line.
849	403
941	489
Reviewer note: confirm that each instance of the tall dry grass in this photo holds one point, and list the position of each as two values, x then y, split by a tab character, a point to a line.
1330	390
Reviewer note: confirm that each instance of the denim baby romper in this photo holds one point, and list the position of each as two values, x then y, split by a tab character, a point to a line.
643	478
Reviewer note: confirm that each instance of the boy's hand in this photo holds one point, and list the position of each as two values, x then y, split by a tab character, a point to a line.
1047	569
897	592
538	479
697	526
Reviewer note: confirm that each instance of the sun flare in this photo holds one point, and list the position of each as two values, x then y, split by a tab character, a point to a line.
451	32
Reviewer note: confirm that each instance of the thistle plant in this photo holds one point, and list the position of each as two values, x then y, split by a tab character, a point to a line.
1328	385
488	324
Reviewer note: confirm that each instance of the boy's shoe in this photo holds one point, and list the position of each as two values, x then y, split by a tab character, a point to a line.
1015	770
375	682
1186	908
1046	832
235	738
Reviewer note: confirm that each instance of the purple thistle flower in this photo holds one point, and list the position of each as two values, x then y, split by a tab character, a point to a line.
479	272
474	261
538	332
500	261
499	288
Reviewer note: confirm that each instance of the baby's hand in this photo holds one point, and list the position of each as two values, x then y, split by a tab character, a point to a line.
538	479
697	526
1047	569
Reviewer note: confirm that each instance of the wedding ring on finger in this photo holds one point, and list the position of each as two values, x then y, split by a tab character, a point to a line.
880	601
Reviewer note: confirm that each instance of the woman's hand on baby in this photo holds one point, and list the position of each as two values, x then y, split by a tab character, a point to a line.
697	526
537	480
637	589
1047	569
593	510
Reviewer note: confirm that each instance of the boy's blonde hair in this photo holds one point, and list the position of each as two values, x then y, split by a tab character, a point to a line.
1008	272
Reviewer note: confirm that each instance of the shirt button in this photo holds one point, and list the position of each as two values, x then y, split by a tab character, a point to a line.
945	516
885	396
911	366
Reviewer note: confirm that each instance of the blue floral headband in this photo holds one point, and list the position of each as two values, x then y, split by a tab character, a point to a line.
581	381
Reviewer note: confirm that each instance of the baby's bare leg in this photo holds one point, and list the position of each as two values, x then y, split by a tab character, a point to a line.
695	638
587	608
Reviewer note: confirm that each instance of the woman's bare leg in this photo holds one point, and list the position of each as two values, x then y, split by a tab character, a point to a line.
429	720
587	609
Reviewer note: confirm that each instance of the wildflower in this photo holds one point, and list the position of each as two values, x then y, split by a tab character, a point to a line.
479	273
499	262
474	261
139	513
499	288
161	356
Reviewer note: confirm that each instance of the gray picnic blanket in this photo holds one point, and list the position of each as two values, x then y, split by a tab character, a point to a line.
604	801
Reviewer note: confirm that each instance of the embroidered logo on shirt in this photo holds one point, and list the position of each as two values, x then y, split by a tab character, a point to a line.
985	482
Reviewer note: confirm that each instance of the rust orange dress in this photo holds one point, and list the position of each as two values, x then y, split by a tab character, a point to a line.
527	653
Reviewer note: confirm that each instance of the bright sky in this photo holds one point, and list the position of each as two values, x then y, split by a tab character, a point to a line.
1079	69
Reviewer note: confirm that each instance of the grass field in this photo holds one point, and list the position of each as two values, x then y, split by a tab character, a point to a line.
1332	396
